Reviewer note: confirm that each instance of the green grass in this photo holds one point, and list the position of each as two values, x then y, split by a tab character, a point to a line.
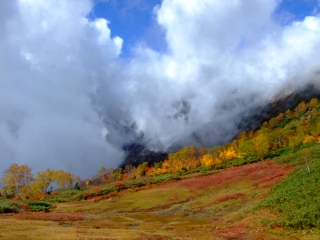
297	198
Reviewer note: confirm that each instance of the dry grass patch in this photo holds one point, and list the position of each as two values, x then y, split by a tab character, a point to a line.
146	200
57	217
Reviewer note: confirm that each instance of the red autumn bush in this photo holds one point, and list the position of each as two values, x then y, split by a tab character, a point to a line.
119	184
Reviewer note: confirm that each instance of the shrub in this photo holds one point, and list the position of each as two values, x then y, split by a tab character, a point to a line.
192	170
120	185
141	183
70	193
297	155
136	183
6	208
79	197
164	178
109	189
38	206
65	196
278	152
307	145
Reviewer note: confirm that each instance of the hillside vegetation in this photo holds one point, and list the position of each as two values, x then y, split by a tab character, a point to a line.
262	185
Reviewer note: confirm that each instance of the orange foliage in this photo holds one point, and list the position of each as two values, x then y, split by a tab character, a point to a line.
229	154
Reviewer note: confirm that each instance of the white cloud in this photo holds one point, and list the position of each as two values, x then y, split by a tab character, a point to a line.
54	60
63	85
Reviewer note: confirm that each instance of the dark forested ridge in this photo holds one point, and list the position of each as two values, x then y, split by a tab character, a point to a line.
137	153
254	118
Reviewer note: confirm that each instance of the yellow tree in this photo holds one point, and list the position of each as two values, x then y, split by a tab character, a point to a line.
207	160
44	179
229	151
141	170
261	145
185	158
265	125
202	151
246	148
192	163
309	139
301	107
272	122
250	134
63	179
31	190
314	129
276	138
295	141
313	102
16	177
279	118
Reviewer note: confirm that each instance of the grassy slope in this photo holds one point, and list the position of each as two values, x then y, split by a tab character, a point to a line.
218	206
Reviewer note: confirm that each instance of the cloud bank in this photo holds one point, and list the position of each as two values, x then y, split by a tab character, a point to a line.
67	100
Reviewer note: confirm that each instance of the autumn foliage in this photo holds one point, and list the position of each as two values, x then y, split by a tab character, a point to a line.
20	182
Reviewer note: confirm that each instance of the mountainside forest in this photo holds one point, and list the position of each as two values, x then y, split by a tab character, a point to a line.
263	183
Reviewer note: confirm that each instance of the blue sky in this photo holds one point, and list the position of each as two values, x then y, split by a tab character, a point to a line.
296	10
134	20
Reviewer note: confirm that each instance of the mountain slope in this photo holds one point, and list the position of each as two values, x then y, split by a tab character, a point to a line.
215	206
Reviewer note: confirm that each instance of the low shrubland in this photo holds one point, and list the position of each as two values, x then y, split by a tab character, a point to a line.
296	199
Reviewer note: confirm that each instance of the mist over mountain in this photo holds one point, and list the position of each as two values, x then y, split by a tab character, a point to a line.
251	118
69	100
213	134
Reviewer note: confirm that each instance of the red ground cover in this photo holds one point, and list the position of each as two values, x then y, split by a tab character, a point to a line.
231	233
258	173
230	197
